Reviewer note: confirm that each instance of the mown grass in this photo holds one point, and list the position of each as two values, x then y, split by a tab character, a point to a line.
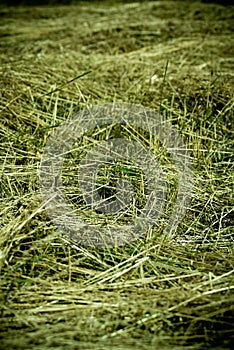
156	292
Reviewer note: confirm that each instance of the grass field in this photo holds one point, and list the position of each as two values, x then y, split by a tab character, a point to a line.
159	291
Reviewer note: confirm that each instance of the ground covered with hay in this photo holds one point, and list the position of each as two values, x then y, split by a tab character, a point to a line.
157	292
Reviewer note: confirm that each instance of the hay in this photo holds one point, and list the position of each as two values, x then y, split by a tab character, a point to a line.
176	58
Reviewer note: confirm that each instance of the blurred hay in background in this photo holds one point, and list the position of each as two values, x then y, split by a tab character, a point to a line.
155	293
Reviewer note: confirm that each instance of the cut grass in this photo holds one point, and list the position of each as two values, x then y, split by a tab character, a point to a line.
156	292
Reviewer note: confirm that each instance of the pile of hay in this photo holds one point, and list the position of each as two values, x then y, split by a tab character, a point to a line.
157	292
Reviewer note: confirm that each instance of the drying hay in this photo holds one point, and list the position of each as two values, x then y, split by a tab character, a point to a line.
158	292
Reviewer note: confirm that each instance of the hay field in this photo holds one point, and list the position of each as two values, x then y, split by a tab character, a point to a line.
175	57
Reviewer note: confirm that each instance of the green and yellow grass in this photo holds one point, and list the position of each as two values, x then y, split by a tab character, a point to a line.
157	292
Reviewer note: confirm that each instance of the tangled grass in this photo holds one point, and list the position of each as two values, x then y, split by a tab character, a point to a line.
157	292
